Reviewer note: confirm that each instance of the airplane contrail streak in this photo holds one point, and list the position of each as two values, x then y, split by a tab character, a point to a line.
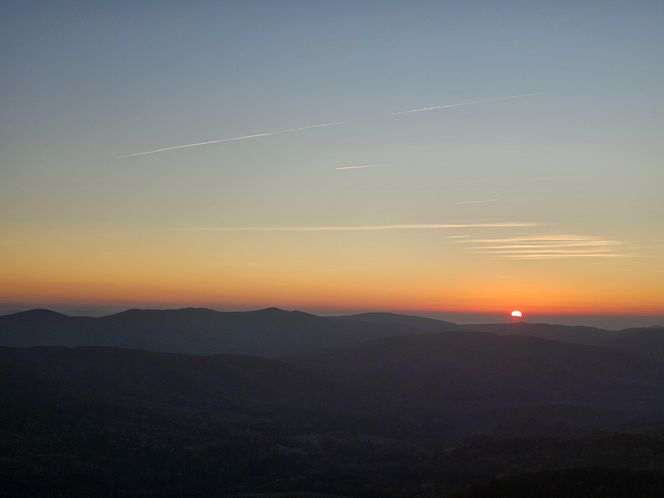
362	166
460	104
321	125
232	139
353	228
532	257
479	202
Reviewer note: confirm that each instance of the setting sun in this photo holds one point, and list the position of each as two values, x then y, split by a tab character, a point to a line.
516	314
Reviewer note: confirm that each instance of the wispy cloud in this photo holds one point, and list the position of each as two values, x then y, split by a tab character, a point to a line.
614	263
593	244
563	256
460	104
363	228
483	201
360	166
544	238
232	139
542	251
289	267
549	246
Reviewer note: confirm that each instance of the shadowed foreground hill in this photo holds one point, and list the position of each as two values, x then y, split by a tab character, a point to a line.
647	342
114	422
468	372
169	381
383	419
576	483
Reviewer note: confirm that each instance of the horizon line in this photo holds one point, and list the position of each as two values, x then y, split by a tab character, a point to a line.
332	312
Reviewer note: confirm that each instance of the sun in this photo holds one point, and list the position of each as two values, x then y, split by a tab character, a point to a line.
516	314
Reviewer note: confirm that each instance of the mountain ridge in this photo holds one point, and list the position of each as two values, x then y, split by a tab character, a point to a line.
271	331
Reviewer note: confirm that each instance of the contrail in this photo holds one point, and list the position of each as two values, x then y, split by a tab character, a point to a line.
472	102
532	257
361	228
545	238
321	125
361	166
545	250
558	245
479	202
232	139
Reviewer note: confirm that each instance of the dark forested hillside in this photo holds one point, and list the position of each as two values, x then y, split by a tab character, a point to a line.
374	405
124	376
647	342
574	483
416	416
469	372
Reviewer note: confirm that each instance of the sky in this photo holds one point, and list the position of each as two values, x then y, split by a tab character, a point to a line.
446	158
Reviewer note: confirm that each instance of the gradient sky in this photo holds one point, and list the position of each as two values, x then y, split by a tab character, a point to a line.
550	202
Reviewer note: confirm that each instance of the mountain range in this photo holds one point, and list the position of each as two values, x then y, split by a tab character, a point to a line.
203	403
274	332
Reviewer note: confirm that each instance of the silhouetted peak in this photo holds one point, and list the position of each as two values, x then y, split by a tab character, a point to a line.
278	312
197	310
39	313
151	313
130	312
272	310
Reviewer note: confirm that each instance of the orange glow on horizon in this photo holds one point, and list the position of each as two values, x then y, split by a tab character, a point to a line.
327	296
318	272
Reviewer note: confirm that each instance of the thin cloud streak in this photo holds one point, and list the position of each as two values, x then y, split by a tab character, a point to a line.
558	245
543	251
362	228
485	201
544	238
461	104
232	139
552	246
361	166
562	256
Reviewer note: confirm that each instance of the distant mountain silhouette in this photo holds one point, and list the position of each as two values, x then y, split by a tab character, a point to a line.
423	324
563	333
267	332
